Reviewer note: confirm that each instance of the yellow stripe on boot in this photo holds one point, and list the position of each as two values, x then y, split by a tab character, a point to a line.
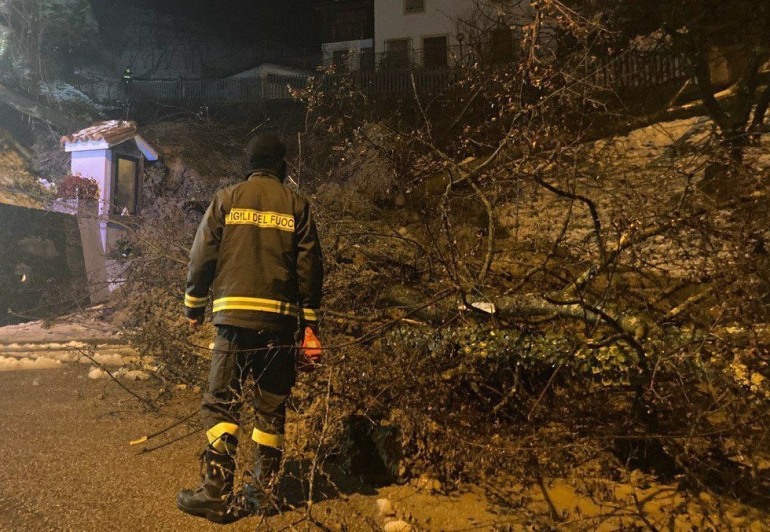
216	437
271	440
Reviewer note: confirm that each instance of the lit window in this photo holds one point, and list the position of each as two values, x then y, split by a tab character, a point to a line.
414	6
126	178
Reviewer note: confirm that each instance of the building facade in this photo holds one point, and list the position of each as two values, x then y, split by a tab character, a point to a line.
348	34
435	34
424	34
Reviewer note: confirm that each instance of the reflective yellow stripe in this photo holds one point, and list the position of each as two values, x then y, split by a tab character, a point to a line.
262	219
215	433
309	314
271	440
254	303
195	302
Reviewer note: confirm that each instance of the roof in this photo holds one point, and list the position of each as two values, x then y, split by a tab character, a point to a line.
112	132
105	135
270	68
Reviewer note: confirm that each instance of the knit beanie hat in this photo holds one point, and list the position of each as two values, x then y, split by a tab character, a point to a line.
264	151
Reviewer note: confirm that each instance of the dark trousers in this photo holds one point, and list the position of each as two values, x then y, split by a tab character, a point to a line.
269	358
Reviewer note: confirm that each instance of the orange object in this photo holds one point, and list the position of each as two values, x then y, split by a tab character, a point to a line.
311	345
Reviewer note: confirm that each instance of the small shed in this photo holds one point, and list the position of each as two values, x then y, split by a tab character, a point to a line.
112	153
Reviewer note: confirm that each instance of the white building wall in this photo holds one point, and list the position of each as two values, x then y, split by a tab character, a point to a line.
96	164
439	18
352	47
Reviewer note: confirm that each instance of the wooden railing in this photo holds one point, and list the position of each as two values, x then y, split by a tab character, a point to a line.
639	70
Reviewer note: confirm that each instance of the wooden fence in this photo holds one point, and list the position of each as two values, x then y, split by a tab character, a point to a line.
228	90
638	70
631	70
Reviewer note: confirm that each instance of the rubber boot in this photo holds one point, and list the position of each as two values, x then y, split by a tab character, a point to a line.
212	498
259	493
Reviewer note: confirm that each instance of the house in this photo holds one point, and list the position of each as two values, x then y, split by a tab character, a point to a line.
425	34
434	34
274	82
348	34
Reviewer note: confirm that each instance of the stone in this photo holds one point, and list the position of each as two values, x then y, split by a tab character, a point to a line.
385	507
397	526
428	483
96	373
135	375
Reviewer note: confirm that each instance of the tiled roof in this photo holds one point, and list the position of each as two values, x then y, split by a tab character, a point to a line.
111	131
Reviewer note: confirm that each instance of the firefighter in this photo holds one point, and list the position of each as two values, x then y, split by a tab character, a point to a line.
127	80
257	249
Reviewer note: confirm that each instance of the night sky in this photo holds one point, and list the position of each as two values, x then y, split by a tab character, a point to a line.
293	22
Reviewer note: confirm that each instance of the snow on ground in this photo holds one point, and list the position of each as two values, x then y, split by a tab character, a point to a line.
69	329
82	338
643	146
18	357
66	93
102	358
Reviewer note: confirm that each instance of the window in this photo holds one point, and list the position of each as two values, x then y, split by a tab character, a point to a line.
434	52
414	6
501	45
124	197
397	54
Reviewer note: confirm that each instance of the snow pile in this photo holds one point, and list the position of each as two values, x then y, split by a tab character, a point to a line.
129	375
105	360
18	364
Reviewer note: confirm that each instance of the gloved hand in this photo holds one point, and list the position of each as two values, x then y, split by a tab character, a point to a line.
310	351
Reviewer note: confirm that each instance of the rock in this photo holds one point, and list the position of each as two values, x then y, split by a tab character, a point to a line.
385	507
180	387
112	359
135	375
428	483
35	383
197	389
97	373
397	526
403	231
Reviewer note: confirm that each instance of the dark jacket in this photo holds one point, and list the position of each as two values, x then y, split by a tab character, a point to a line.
257	247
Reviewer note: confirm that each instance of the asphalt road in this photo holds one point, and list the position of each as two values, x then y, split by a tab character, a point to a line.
66	462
